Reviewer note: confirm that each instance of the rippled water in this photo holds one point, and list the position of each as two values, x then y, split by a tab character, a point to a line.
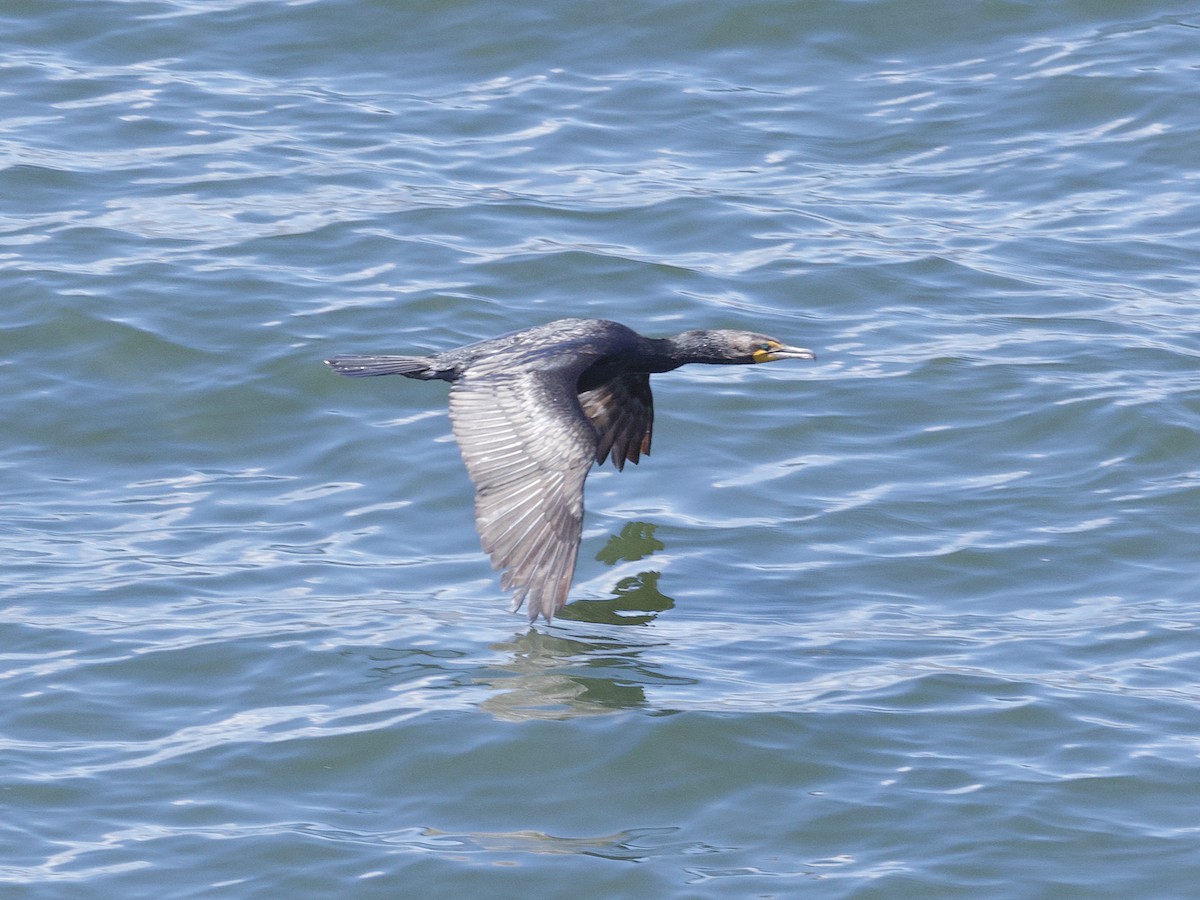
916	620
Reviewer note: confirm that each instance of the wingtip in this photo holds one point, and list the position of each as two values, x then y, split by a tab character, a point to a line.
533	610
535	606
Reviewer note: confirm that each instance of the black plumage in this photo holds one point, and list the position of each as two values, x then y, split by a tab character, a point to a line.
532	411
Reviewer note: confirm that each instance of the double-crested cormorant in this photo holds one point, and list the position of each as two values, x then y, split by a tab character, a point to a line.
532	411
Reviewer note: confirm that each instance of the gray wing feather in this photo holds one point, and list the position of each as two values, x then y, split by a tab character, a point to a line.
527	446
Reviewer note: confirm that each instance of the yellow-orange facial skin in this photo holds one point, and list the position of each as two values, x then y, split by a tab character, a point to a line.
773	350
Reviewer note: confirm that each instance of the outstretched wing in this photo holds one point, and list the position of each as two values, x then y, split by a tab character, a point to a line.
622	412
527	446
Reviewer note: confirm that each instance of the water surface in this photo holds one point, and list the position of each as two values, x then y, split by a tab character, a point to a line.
916	620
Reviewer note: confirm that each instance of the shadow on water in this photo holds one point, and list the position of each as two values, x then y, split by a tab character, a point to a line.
565	673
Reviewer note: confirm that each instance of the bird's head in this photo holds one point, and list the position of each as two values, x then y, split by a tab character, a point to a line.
737	347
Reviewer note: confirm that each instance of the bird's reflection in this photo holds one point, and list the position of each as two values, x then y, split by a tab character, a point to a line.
570	671
636	541
636	599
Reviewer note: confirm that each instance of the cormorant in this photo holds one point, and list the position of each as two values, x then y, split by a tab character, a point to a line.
532	411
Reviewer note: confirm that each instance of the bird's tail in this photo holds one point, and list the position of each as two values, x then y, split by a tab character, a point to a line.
363	366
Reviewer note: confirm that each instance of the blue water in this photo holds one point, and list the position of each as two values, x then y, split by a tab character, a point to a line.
915	620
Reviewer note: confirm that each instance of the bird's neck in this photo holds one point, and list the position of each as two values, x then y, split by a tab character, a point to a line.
688	347
663	355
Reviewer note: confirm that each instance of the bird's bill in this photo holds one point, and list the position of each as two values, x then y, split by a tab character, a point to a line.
782	351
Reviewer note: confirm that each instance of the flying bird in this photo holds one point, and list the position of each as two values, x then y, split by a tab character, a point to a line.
534	409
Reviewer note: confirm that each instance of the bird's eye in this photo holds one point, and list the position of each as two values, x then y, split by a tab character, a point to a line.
764	346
